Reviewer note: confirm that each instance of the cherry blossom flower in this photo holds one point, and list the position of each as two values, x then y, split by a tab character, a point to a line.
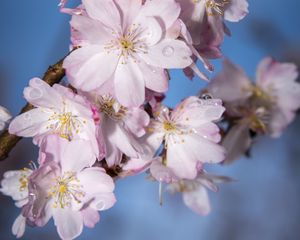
269	104
57	111
205	22
124	43
63	188
194	193
15	185
189	135
4	117
120	128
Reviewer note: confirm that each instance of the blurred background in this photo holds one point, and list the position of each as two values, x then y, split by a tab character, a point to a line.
262	204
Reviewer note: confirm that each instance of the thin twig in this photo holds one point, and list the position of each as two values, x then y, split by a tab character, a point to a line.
8	141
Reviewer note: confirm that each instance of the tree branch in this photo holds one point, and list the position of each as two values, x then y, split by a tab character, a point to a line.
54	74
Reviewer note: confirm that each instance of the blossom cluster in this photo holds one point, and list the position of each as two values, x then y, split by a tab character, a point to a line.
109	121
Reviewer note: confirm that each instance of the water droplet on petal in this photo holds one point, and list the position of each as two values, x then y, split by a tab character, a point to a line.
168	51
100	205
206	96
35	93
27	116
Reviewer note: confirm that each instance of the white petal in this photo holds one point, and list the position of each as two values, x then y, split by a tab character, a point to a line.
69	223
95	181
31	123
105	11
40	94
197	200
19	225
169	54
128	80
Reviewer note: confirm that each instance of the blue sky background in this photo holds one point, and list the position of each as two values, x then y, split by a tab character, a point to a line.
262	204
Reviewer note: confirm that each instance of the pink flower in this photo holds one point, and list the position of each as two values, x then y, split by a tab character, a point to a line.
4	117
194	192
205	22
58	111
189	135
63	188
196	14
124	43
270	104
120	128
15	185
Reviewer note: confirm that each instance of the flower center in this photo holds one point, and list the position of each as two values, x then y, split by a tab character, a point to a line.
65	124
214	8
110	107
169	127
23	180
127	45
66	189
260	94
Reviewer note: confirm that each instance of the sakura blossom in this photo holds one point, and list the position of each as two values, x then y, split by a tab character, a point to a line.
120	128
194	192
108	119
205	22
66	188
4	117
15	185
57	111
270	103
189	135
267	106
125	46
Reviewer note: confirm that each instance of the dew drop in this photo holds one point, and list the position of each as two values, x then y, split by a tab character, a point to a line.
27	116
100	205
206	96
168	51
35	93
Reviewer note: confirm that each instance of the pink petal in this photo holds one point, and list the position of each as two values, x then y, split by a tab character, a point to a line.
129	10
105	11
90	31
89	67
231	84
153	30
72	156
194	112
236	10
4	114
136	120
95	181
30	124
128	80
121	139
197	200
186	151
156	78
103	201
18	227
40	94
135	166
162	173
166	11
236	142
90	217
168	54
69	223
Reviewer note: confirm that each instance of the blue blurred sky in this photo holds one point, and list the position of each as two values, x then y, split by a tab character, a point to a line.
263	204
